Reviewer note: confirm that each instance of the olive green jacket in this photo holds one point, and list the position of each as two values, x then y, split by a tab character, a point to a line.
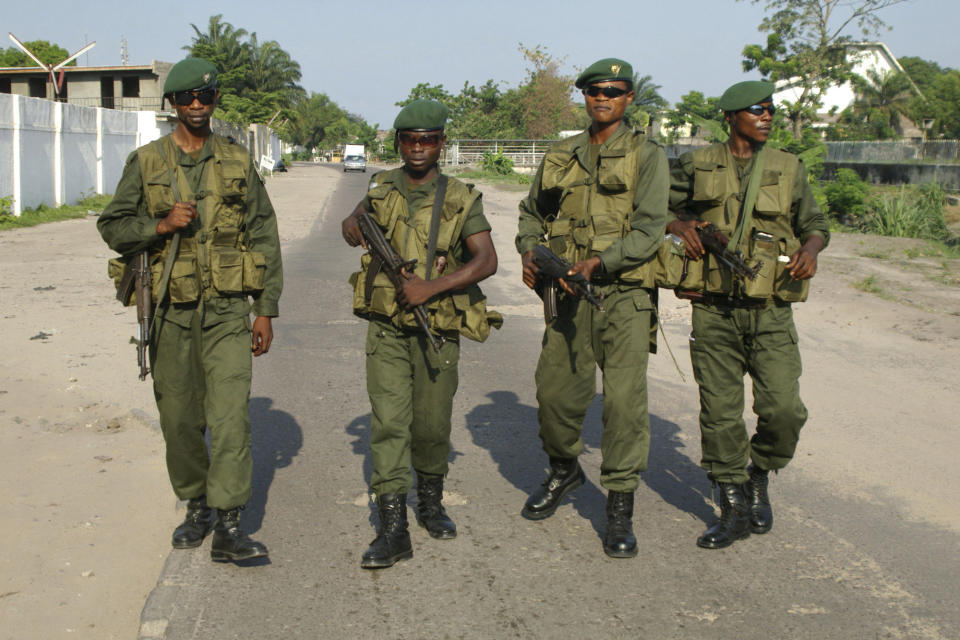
646	210
127	227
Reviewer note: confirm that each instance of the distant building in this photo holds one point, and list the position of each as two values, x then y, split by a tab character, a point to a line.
127	88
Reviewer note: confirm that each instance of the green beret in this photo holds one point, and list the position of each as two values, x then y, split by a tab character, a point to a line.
422	114
605	70
744	94
190	73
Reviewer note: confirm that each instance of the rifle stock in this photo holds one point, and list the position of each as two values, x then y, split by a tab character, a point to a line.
384	257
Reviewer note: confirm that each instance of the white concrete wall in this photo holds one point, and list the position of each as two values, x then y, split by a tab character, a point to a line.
53	153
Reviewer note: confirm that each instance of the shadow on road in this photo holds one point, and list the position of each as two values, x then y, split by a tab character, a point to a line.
509	431
276	440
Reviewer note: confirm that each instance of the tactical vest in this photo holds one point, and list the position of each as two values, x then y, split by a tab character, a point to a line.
717	196
213	259
464	312
593	211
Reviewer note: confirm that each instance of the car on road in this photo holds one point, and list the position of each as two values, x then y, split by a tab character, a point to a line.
354	163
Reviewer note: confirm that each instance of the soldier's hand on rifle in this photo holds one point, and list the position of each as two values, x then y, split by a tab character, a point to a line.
585	268
530	269
180	217
415	290
350	229
262	335
687	231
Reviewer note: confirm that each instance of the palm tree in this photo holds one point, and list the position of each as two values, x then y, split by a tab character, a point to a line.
883	98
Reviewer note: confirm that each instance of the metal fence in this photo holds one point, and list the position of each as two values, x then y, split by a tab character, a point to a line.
524	153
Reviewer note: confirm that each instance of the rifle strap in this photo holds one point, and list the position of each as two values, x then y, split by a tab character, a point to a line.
175	243
746	213
435	222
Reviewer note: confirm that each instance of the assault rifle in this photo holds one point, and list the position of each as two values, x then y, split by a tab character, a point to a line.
716	243
136	280
384	258
552	268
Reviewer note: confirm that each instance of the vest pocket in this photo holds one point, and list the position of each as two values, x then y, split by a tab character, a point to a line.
613	176
226	270
763	248
717	277
709	182
158	194
785	287
184	285
770	196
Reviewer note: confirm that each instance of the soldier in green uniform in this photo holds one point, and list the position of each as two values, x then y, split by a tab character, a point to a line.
196	203
599	200
411	386
760	199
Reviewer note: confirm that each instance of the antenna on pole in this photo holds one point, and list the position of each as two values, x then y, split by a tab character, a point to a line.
124	54
52	68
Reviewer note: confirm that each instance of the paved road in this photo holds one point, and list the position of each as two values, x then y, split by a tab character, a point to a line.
833	567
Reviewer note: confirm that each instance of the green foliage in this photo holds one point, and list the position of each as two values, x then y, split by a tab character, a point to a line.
701	113
847	195
913	212
940	100
496	164
538	108
869	285
48	53
647	101
805	42
42	213
257	81
875	115
319	123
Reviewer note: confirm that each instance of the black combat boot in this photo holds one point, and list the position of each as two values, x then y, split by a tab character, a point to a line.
430	512
619	542
195	526
565	476
761	514
734	522
393	540
230	542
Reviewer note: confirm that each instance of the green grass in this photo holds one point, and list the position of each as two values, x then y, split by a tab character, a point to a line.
44	214
869	285
879	255
487	176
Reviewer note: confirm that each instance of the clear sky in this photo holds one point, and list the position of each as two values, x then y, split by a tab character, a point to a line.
366	55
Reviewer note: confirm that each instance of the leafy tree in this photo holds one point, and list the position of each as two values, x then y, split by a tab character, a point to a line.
875	115
699	112
940	96
47	52
257	81
546	104
806	45
646	101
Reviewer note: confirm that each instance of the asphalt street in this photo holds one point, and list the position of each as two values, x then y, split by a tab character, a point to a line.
833	566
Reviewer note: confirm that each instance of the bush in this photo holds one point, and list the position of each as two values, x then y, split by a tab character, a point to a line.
6	208
911	213
847	195
496	164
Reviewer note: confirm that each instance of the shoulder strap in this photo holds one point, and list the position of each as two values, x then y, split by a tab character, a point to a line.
435	222
746	213
175	243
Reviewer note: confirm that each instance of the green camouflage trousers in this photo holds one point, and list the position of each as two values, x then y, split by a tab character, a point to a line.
201	380
618	340
411	389
726	344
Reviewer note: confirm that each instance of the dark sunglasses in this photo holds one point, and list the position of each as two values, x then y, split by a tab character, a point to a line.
186	98
758	109
425	141
609	92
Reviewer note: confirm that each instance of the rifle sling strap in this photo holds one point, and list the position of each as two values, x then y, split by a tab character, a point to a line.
746	213
435	222
175	243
